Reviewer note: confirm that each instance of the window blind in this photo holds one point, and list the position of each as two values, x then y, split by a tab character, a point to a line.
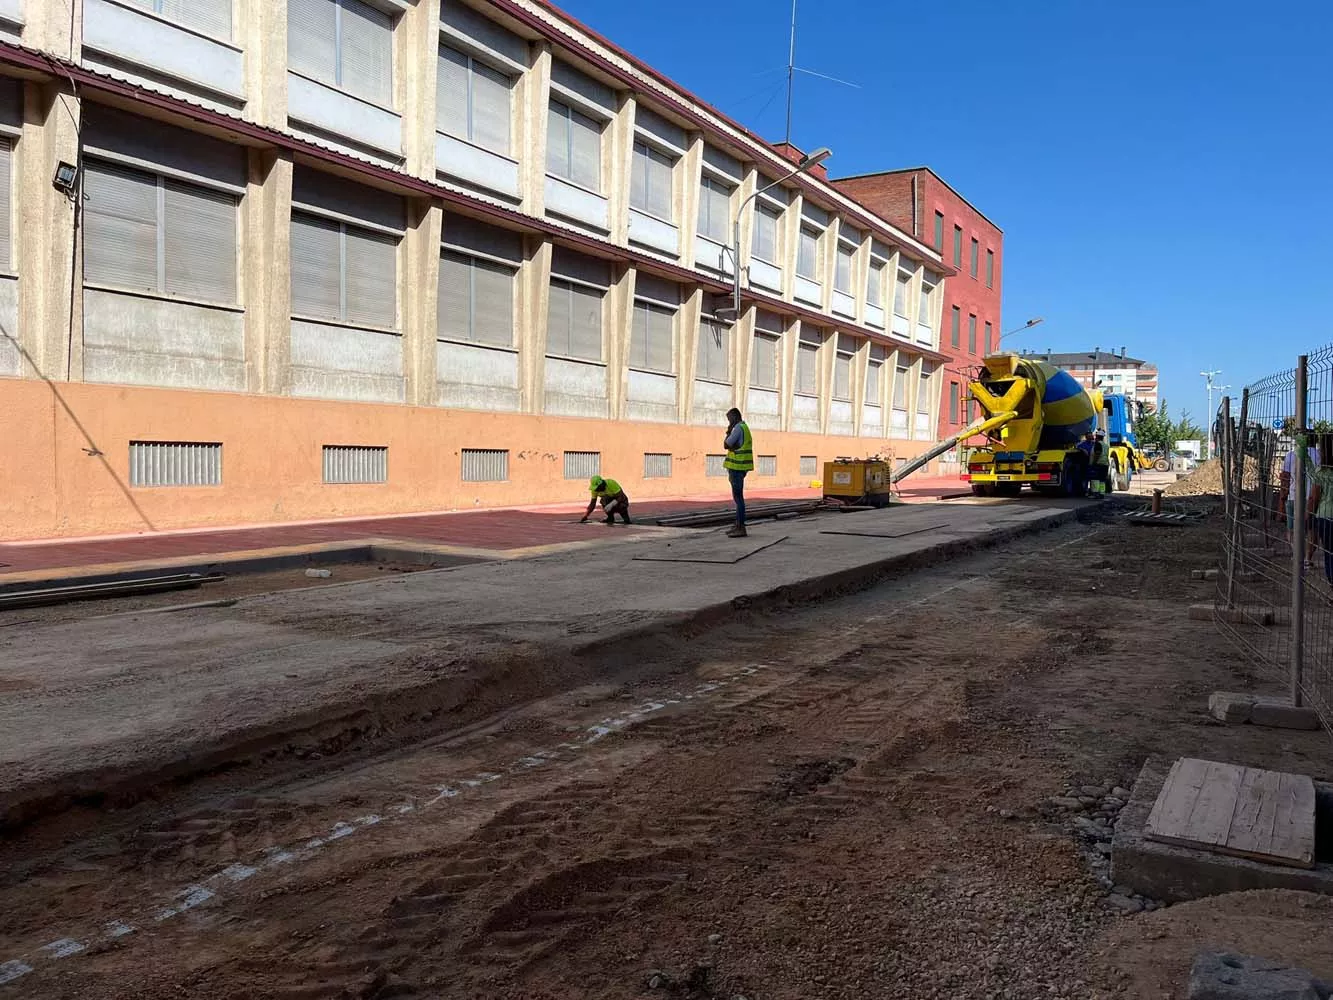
473	101
971	335
652	338
875	287
766	234
312	38
900	378
343	272
574	146
842	275
366	51
714	209
807	258
923	391
198	242
989	334
902	287
923	306
371	277
6	209
714	354
764	362
954	410
873	372
209	17
842	377
476	302
807	369
650	181
120	220
451	93
574	321
955	319
316	267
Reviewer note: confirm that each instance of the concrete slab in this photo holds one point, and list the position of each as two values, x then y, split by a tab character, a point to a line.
1225	976
91	708
708	550
1176	874
885	532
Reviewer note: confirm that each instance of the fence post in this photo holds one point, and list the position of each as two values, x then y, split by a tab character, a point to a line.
1233	485
1299	497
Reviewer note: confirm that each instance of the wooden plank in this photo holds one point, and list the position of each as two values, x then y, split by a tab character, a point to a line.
1210	823
1169	819
1294	838
1254	826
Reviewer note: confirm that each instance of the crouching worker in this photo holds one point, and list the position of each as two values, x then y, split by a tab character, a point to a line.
613	498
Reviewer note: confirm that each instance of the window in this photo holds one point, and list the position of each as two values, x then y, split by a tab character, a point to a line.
955	415
902	289
874	371
972	333
766	221
807	258
990	268
652	339
939	230
478	265
345	43
842	367
923	389
209	17
6	210
473	101
574	146
901	375
923	305
343	272
764	361
714	210
957	246
147	233
650	181
955	318
807	362
714	356
989	333
574	313
875	286
842	274
973	262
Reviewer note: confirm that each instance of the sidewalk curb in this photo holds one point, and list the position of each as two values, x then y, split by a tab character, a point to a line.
340	724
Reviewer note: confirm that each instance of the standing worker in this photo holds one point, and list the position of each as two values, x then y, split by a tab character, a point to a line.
739	443
1320	506
1101	465
613	498
1081	464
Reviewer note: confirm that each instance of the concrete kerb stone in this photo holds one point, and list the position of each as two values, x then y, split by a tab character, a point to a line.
1225	976
1240	615
1177	874
23	804
1261	710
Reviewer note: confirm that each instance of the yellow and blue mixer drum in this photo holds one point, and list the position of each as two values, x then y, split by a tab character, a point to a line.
1066	408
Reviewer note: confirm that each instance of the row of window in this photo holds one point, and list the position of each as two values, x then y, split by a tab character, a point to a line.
958	251
156	464
955	323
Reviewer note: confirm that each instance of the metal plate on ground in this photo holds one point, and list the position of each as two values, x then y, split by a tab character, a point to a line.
1265	815
901	532
716	549
1162	519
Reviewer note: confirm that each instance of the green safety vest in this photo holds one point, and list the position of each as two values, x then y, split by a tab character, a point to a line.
742	458
610	488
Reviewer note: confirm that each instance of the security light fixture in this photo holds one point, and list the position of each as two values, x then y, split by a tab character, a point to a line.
67	175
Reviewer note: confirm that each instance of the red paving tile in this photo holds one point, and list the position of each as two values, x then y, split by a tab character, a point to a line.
490	529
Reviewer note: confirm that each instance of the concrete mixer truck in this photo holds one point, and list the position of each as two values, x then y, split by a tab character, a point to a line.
1034	415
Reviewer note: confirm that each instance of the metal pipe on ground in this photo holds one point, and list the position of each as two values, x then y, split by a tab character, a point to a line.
36	597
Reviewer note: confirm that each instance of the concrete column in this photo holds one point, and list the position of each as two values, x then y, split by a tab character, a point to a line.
861	278
828	351
791	241
420	293
860	361
54	27
790	338
533	99
534	295
689	320
266	271
742	345
50	305
691	173
417	46
749	184
263	33
617	311
618	160
828	262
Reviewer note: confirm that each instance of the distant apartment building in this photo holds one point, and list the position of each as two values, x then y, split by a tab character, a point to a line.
918	200
296	259
1109	370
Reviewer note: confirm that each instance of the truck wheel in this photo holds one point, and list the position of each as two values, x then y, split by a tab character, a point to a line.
1162	465
981	490
1119	478
1008	489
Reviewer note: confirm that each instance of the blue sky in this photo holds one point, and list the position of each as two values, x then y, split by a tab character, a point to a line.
1162	169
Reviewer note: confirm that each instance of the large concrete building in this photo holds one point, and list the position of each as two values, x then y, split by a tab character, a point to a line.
290	259
1111	371
918	200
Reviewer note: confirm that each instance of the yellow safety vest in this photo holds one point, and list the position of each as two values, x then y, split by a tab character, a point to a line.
742	459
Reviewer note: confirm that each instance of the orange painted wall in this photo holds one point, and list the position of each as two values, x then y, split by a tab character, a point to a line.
271	466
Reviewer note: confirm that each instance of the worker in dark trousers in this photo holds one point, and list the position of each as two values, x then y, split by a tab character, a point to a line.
1081	465
613	499
1101	466
739	444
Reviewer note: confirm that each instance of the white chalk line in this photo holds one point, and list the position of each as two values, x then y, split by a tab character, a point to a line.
210	888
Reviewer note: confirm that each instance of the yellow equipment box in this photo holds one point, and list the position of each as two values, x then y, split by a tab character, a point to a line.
858	480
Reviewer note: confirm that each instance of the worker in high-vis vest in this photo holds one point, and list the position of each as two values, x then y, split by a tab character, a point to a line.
613	499
1100	477
739	443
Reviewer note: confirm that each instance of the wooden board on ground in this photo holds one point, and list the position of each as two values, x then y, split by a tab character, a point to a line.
715	549
1244	811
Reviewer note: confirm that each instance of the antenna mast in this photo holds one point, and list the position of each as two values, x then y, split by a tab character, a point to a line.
791	68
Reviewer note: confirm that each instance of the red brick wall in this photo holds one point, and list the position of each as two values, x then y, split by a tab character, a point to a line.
890	196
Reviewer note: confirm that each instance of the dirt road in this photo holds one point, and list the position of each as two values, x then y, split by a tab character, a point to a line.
846	800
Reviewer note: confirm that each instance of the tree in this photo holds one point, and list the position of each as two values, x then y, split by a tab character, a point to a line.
1156	429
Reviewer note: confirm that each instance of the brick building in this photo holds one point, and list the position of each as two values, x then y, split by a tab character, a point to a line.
920	202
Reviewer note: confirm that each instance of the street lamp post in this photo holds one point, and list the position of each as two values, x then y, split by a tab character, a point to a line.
1026	326
1212	417
813	160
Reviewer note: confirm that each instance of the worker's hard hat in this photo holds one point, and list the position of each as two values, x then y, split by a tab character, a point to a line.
596	482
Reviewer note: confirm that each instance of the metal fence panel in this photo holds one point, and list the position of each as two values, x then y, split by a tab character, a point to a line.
175	463
355	463
485	465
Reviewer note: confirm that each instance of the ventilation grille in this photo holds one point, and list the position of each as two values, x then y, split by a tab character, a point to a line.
809	465
583	464
713	465
767	465
175	463
355	463
656	466
485	465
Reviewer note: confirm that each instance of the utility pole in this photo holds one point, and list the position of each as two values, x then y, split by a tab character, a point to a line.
791	70
1212	417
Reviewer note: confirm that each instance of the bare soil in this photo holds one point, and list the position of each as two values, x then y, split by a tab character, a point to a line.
844	800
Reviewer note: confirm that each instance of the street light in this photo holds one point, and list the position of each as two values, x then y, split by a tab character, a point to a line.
813	160
1026	326
1212	417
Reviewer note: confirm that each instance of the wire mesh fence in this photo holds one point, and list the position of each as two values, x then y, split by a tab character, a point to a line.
1275	582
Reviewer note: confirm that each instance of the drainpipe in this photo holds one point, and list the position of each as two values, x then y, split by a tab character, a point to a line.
916	215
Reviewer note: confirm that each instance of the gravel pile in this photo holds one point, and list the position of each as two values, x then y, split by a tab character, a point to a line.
1090	812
